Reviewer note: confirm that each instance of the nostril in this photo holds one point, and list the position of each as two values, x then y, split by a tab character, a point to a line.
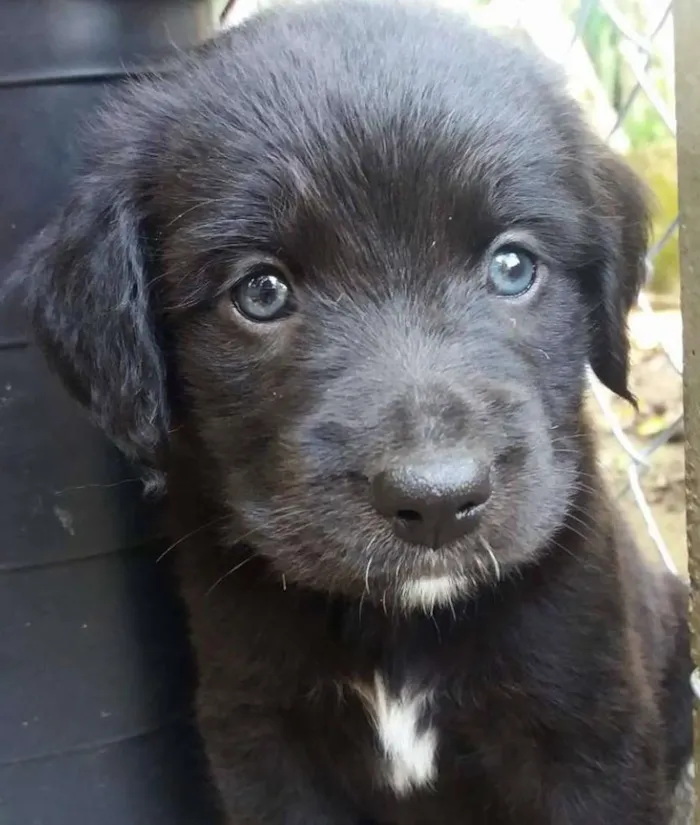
466	509
409	515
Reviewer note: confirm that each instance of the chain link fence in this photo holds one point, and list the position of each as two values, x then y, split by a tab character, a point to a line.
638	51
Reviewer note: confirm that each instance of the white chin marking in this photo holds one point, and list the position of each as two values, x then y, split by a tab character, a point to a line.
408	755
432	591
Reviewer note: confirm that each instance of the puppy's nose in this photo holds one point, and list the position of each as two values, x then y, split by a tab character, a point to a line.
433	502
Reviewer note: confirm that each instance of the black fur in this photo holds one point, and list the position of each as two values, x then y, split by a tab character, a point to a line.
379	153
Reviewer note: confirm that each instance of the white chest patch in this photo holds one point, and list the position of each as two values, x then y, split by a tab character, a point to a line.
409	753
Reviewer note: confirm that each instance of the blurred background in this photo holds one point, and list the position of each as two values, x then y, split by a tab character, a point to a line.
619	58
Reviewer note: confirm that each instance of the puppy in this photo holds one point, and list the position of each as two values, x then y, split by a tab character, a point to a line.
333	281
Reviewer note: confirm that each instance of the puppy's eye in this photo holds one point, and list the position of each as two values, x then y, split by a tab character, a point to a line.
512	271
263	295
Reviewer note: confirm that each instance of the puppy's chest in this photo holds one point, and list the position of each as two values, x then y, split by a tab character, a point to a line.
411	750
402	720
398	722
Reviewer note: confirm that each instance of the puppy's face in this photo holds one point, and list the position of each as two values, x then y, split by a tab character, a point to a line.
374	269
390	394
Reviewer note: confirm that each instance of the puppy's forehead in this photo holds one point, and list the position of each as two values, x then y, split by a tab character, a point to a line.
400	183
348	122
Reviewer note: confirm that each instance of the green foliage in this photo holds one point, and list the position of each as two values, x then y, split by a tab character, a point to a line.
655	162
602	41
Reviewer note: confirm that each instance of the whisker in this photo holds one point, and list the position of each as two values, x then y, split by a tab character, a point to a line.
563	547
369	564
587	526
494	560
198	205
229	573
584	488
97	486
189	536
437	628
480	564
397	574
240	538
365	592
581	535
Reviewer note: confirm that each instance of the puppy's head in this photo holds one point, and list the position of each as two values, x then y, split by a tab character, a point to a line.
364	252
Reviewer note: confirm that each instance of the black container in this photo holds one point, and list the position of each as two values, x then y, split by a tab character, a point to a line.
94	673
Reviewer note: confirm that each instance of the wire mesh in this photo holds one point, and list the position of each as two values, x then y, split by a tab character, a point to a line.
637	51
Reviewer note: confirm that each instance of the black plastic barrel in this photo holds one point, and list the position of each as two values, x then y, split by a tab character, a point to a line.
94	671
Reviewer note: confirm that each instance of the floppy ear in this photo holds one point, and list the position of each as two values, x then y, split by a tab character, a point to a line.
88	295
621	204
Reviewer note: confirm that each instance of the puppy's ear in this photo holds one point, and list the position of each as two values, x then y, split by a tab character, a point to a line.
88	296
620	202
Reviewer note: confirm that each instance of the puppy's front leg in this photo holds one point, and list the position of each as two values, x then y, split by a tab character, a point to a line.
262	777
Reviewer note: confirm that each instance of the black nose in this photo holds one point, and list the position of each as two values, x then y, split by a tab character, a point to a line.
433	501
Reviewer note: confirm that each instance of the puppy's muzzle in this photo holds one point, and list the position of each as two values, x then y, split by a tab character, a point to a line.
433	500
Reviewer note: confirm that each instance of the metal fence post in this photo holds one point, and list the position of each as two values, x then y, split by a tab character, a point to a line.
687	33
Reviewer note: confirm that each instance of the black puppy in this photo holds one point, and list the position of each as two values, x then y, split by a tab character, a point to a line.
334	281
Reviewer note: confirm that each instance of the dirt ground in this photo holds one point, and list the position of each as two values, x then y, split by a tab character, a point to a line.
658	388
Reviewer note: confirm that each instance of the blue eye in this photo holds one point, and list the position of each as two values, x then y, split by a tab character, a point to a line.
512	271
264	295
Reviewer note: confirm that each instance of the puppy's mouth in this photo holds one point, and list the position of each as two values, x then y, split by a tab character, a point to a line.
415	577
388	537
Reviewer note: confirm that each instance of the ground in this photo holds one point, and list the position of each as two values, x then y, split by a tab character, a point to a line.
658	388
